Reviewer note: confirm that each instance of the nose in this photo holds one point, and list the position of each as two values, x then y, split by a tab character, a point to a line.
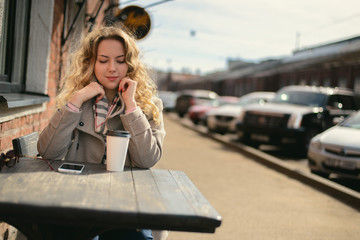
111	66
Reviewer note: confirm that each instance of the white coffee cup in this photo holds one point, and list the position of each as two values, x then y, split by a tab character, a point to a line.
117	143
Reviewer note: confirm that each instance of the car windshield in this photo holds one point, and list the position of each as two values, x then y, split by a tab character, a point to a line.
208	102
167	96
244	101
300	98
352	121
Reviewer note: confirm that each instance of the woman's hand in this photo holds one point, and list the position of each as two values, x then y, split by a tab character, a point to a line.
94	89
127	88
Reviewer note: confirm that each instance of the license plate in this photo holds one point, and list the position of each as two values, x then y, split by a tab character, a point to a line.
222	124
340	164
332	162
347	165
260	137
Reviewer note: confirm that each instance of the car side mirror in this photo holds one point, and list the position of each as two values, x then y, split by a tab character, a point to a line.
338	120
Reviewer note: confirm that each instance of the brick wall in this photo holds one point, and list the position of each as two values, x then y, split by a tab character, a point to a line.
37	121
18	127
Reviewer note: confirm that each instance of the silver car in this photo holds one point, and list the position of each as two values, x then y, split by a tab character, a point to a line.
223	119
169	99
337	150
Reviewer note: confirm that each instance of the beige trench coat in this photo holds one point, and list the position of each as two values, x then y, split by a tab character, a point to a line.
71	136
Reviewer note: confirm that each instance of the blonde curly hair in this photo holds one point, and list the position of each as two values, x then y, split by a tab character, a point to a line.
81	71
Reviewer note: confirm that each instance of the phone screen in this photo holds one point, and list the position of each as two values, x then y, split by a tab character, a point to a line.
71	168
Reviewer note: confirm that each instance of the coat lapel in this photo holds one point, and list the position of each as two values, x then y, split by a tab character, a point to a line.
88	121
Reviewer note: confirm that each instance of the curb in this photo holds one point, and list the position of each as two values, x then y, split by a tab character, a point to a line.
335	190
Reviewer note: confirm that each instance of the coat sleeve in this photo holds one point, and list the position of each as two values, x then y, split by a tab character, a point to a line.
56	138
147	137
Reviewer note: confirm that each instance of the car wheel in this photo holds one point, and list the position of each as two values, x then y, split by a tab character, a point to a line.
210	129
321	174
239	136
204	121
310	133
220	131
196	122
247	140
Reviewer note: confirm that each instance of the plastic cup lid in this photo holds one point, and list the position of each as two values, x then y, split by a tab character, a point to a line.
118	133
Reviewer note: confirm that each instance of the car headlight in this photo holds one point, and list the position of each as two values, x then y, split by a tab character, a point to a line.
316	144
240	117
295	121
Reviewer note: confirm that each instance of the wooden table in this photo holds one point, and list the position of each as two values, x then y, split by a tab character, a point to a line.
45	204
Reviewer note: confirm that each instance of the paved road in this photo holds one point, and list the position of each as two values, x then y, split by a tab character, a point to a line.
255	202
286	155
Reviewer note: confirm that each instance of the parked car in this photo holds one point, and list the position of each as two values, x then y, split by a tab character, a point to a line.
337	150
223	119
197	113
187	98
169	99
295	115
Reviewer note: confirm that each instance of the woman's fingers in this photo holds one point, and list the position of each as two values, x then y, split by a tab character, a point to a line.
127	87
94	89
127	83
98	91
99	97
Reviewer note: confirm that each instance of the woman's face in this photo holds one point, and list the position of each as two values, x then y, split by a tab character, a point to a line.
110	65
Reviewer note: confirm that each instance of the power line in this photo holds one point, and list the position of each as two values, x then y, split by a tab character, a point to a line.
338	21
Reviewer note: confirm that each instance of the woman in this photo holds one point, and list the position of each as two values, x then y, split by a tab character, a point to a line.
107	87
106	74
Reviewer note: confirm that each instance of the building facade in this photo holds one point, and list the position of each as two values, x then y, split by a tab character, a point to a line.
335	64
36	37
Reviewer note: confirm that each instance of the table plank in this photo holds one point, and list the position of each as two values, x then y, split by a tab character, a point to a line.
176	201
135	198
147	194
122	192
194	196
171	194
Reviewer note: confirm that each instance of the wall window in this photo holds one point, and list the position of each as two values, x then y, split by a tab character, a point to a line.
3	19
326	82
357	84
14	19
342	82
314	82
4	15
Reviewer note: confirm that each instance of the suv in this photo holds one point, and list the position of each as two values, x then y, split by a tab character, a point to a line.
295	115
187	98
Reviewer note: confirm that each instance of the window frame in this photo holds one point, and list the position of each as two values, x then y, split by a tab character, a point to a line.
12	80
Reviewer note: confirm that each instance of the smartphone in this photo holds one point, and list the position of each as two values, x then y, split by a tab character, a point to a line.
71	168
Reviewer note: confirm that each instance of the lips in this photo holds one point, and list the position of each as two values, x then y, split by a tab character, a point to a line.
112	78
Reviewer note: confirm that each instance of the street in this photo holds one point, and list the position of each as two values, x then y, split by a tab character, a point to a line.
255	202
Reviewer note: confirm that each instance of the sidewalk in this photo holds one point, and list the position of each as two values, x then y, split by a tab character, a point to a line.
255	202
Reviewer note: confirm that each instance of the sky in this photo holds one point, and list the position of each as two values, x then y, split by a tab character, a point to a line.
199	36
